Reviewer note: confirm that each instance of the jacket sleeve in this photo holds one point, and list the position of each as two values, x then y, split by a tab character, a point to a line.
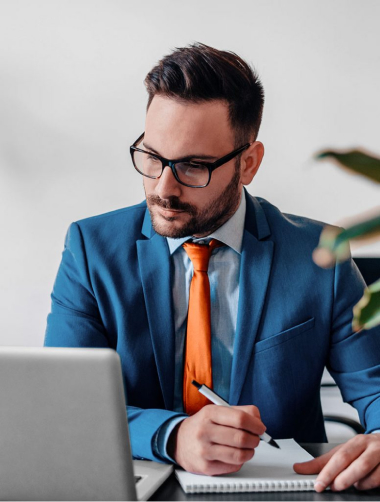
354	360
75	321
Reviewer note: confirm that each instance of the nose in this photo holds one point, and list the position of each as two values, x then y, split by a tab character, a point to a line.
167	186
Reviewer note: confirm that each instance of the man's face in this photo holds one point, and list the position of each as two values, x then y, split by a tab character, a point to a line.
177	130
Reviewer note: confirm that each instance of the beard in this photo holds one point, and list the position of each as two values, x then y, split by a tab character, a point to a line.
201	222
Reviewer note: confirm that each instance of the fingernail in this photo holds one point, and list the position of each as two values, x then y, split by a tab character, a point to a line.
319	486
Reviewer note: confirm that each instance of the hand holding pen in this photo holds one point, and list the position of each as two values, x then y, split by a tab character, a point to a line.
216	439
214	398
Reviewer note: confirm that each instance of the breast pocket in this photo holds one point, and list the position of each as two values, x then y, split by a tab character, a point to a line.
284	336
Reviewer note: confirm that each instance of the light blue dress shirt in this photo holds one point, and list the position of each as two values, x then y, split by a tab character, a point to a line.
223	272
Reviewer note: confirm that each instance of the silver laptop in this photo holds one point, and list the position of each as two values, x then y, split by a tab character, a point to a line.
63	428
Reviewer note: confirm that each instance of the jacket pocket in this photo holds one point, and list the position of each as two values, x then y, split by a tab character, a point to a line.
284	336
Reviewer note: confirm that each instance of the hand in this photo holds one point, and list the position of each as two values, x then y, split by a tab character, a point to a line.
218	439
356	462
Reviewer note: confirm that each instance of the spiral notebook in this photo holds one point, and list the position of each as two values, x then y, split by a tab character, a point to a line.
270	470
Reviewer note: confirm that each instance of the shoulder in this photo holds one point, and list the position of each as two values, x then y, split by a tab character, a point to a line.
120	225
278	218
289	228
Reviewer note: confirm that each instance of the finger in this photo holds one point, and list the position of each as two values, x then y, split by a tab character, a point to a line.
229	436
316	465
234	417
214	468
369	482
250	409
229	455
340	460
356	471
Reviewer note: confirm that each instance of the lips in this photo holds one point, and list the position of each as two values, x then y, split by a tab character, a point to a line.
169	212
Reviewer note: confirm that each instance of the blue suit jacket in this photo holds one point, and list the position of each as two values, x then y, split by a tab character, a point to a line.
113	289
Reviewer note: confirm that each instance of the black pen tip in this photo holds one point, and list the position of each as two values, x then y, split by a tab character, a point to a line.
196	384
272	442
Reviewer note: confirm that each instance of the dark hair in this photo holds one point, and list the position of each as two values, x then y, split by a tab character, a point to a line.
201	73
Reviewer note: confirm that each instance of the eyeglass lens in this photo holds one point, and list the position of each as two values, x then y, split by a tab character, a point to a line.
190	173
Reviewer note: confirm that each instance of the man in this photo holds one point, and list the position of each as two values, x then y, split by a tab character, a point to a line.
137	280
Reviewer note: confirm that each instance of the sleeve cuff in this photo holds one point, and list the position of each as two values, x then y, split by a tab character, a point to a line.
162	435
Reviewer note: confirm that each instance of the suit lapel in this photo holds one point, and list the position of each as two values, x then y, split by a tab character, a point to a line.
256	261
155	269
154	264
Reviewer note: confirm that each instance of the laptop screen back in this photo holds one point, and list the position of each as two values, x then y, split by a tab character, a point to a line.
63	426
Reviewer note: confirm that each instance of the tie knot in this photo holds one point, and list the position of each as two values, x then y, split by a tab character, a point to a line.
199	254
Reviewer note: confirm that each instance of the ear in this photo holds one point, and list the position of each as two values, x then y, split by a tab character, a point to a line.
250	162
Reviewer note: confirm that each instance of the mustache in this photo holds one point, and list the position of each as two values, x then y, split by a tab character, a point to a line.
171	203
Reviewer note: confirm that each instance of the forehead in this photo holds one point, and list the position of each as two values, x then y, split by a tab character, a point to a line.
177	128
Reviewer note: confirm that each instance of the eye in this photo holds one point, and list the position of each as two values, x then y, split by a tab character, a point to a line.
191	169
151	158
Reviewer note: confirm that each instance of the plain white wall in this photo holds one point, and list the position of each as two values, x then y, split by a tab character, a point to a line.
72	100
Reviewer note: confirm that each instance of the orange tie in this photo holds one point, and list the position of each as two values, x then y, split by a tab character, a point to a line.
198	336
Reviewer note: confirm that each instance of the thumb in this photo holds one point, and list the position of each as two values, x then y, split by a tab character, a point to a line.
315	465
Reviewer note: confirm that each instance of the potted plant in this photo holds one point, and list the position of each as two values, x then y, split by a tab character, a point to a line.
333	244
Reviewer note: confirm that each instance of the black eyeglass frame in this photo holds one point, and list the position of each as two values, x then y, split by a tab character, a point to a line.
211	166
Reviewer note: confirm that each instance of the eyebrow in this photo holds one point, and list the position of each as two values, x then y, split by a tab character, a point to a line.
187	157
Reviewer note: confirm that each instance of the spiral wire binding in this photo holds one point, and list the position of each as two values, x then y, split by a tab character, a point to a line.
258	486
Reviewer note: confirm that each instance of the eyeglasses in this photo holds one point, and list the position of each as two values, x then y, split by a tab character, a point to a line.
188	172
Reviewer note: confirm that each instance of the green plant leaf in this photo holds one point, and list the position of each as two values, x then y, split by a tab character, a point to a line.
367	310
357	161
333	243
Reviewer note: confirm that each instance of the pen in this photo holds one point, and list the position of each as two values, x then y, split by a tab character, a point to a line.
214	398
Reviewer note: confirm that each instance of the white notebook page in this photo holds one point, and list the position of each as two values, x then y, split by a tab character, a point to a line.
270	469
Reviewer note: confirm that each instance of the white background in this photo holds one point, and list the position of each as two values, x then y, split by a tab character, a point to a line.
72	100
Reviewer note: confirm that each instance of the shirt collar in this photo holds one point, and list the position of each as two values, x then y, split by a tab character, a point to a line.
230	233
